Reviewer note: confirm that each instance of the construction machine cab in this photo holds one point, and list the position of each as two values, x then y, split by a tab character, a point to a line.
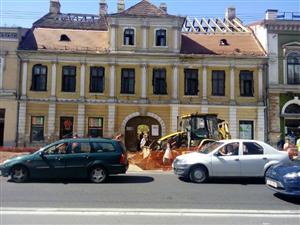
199	126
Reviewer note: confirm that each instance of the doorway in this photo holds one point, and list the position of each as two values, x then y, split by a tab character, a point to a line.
138	126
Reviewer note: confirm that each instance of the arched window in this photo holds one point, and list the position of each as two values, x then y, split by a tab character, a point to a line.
39	78
161	37
292	109
293	68
128	36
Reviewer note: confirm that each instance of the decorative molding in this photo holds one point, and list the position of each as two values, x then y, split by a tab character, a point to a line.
136	114
293	101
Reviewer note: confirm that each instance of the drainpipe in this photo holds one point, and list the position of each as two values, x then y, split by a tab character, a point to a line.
18	94
267	102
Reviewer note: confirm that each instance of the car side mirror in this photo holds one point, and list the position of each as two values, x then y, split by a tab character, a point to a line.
216	154
41	154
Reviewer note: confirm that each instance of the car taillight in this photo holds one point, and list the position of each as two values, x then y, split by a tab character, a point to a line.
123	158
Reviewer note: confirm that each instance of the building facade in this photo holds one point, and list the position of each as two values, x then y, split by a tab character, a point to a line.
9	79
136	71
279	34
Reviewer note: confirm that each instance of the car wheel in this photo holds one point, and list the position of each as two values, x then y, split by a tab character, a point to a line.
19	174
198	174
98	174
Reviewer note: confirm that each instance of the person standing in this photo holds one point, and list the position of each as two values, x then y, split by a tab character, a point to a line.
143	141
168	156
298	145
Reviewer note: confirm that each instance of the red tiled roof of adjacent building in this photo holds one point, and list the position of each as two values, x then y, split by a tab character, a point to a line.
49	39
213	44
144	9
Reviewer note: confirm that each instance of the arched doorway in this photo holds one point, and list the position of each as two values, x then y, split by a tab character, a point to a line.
138	125
291	114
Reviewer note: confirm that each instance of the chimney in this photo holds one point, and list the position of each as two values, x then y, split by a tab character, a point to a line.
54	7
121	6
103	8
163	6
271	14
230	13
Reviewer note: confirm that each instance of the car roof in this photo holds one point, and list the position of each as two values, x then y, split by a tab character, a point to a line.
86	139
238	140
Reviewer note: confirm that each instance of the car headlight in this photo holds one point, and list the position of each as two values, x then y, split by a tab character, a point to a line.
181	162
292	175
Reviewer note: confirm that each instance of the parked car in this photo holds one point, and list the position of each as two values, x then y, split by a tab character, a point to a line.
94	158
228	158
284	178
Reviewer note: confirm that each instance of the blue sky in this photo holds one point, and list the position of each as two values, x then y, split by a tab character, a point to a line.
24	12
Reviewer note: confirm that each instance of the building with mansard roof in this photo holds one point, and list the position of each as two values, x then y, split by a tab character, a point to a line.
279	34
136	71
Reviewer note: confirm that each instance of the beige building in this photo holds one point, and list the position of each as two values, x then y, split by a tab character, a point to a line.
137	70
9	79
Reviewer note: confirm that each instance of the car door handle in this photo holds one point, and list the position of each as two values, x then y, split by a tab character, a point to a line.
58	158
264	158
236	159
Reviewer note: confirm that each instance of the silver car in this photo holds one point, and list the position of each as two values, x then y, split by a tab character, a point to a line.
228	158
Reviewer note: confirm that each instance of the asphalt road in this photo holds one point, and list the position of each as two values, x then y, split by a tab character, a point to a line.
138	198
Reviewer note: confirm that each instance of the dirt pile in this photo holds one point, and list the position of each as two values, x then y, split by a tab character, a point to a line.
152	160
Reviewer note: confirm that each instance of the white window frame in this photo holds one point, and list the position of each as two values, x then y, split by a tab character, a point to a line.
285	73
134	37
154	37
254	127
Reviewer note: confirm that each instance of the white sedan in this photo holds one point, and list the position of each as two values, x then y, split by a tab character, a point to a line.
228	158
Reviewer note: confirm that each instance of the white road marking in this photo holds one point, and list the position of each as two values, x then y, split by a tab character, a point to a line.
152	212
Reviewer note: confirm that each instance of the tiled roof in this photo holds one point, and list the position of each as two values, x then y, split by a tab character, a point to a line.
143	9
48	39
238	44
72	21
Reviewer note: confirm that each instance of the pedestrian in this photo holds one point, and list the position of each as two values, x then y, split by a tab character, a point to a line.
298	145
287	144
168	156
119	137
280	142
143	141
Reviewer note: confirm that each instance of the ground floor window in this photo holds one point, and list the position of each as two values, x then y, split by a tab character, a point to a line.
246	129
95	127
37	128
66	127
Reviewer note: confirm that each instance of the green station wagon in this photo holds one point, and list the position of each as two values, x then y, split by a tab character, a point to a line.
93	158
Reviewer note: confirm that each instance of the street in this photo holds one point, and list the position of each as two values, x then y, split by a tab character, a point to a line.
145	198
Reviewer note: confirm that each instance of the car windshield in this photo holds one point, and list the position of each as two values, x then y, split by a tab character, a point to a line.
211	147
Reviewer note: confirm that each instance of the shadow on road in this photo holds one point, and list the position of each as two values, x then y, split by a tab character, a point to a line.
129	179
241	181
111	179
290	199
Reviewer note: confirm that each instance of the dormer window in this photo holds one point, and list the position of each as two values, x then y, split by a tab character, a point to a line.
161	37
64	37
223	42
128	36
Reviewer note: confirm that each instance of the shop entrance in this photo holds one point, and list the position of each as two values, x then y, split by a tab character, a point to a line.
137	127
292	128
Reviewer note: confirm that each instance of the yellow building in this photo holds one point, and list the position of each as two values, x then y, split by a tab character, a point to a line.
137	70
9	70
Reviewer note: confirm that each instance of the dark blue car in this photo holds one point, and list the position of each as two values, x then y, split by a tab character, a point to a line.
284	178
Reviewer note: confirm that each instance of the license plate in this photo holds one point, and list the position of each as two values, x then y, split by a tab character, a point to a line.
272	183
